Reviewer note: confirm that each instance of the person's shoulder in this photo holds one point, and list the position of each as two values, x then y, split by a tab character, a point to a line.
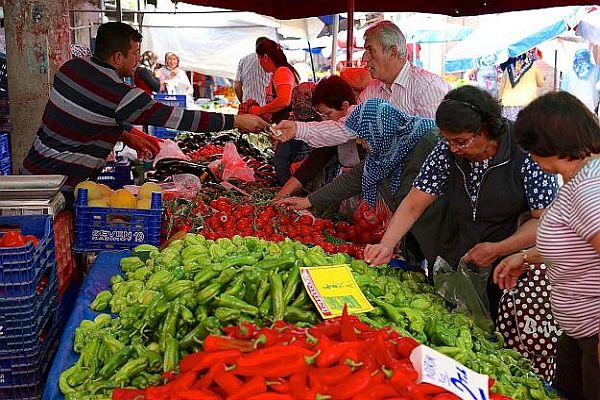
422	75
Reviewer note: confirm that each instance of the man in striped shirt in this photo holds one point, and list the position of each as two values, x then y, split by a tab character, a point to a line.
409	88
90	109
251	80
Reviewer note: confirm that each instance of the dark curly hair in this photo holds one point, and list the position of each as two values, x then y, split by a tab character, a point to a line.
470	109
558	124
332	92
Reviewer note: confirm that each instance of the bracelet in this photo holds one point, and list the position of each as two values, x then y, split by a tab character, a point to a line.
525	257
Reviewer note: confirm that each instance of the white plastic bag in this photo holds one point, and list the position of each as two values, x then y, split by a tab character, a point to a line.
169	149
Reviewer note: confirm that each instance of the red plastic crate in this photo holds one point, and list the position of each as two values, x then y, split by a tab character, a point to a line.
66	269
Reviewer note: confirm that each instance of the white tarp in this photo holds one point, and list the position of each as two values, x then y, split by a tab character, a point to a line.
213	43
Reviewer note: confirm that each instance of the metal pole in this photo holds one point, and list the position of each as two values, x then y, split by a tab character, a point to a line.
336	28
119	11
140	16
312	62
91	27
350	38
555	69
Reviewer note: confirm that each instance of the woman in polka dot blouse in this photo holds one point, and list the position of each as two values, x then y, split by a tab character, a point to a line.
489	182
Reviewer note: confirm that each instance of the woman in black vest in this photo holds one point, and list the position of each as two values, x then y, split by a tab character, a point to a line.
489	182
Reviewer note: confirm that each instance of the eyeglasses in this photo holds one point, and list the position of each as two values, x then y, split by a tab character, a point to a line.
462	143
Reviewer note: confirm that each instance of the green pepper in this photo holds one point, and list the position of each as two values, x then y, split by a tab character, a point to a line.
186	314
112	344
115	279
216	252
139	382
101	301
171	357
225	300
156	311
201	312
140	274
158	280
116	361
208	293
249	259
130	264
277	296
152	379
170	324
206	275
294	314
281	263
130	370
262	291
251	288
301	299
89	355
291	284
192	252
390	310
226	276
224	314
176	289
265	307
146	296
200	331
236	287
69	375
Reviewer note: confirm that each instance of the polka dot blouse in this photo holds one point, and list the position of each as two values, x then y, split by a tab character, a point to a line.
434	176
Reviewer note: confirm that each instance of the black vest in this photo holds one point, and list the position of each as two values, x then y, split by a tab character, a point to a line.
501	199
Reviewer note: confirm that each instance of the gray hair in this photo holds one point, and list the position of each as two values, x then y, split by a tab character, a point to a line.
388	34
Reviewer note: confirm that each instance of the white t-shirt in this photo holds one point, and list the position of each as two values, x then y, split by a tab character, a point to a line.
180	84
563	239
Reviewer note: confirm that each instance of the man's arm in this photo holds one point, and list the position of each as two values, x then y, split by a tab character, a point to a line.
239	91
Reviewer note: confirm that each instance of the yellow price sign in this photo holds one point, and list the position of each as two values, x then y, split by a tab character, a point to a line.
333	286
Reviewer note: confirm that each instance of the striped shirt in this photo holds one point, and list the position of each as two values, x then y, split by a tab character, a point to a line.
563	239
88	110
414	92
254	79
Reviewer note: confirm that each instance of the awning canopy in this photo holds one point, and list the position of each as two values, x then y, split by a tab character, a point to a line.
289	9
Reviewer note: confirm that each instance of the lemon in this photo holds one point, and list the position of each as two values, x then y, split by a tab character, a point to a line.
102	202
105	190
147	189
144	204
94	192
122	199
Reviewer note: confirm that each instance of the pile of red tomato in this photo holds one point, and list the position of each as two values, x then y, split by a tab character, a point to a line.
14	238
206	151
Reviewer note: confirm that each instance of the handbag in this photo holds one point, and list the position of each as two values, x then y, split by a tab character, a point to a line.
525	320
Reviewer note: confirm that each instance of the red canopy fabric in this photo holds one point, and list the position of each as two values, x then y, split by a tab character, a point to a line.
290	9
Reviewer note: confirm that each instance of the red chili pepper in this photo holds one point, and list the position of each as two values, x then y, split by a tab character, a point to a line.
314	381
332	354
158	392
407	369
429	389
405	346
244	330
271	354
280	386
214	343
328	328
332	375
128	394
347	327
448	396
382	353
352	385
271	396
253	387
184	381
377	392
198	361
209	377
227	381
406	386
195	394
284	367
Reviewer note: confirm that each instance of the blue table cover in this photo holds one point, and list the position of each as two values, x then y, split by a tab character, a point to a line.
98	279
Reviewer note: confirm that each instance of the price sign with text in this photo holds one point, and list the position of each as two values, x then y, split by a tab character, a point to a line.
333	286
440	370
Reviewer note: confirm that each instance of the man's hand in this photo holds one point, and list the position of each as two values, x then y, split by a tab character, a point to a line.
294	203
254	110
249	123
141	142
288	131
482	254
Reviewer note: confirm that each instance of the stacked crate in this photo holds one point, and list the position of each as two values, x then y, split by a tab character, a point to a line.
5	161
29	320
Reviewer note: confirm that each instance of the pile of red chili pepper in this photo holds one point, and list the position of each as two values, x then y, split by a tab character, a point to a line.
341	358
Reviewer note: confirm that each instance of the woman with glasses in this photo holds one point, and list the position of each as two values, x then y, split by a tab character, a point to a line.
489	182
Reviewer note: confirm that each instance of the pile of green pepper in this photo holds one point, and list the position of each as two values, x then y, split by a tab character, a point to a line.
168	301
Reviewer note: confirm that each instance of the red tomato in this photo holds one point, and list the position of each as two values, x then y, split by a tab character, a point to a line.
304	230
221	204
305	220
352	233
12	239
342	226
222	217
284	219
366	237
243	224
329	248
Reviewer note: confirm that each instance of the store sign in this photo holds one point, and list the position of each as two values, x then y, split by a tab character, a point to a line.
330	288
440	370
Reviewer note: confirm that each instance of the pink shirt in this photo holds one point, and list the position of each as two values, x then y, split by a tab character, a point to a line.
414	91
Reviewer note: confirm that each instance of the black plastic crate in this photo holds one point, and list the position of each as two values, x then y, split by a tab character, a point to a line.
115	175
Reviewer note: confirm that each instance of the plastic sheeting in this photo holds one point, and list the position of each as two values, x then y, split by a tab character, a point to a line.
98	279
213	43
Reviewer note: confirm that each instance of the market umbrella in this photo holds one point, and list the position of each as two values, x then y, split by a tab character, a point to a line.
510	34
589	26
418	29
286	9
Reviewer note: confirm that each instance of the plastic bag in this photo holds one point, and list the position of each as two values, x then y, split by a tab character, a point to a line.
466	288
372	221
183	186
169	149
232	166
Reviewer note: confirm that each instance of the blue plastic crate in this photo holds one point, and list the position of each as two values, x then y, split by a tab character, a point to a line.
165	133
23	331
174	100
116	175
101	228
4	145
6	170
22	268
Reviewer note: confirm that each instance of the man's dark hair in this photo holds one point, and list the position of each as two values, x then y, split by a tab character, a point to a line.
259	40
332	92
558	124
114	37
471	109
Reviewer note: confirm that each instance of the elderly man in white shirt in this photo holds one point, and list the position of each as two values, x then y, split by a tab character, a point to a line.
409	88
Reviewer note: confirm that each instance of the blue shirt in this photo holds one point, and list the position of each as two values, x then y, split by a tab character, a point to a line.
540	187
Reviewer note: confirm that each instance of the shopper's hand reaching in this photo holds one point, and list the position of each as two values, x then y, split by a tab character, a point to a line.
287	129
377	254
294	203
508	271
